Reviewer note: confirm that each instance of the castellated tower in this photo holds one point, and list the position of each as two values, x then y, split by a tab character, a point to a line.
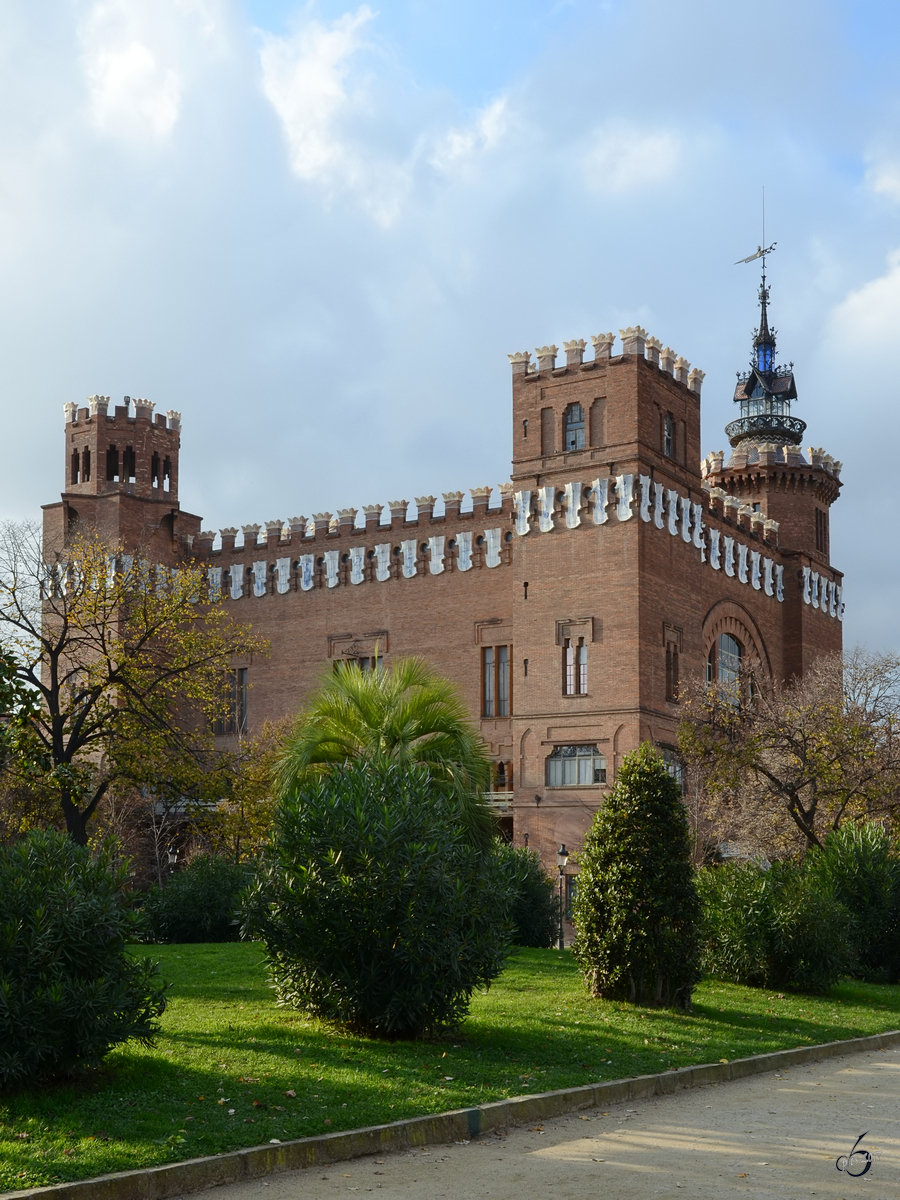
122	479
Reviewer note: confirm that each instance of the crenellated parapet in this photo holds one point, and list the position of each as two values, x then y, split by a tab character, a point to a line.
636	342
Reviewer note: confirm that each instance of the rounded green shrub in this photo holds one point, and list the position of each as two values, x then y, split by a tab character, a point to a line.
69	990
534	914
199	903
636	911
376	910
773	927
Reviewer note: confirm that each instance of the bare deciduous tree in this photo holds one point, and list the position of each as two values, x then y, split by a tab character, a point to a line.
779	765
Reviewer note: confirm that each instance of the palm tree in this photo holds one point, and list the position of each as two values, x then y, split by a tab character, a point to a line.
408	715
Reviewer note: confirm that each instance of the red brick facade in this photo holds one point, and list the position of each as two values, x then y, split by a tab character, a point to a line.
607	569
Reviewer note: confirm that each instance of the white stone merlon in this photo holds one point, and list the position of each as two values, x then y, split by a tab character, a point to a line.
98	405
695	380
425	506
507	490
251	534
771	529
681	369
836	467
322	520
546	356
652	349
70	409
667	359
298	526
602	343
372	512
633	340
519	362
174	418
398	510
716	459
143	408
347	517
274	529
574	352
815	455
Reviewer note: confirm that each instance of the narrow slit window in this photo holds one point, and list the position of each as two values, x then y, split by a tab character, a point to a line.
487	682
167	474
503	681
568	668
112	465
86	465
581	665
155	470
669	436
128	464
76	472
671	671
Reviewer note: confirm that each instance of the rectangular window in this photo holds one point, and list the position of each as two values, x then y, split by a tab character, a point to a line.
548	431
503	681
671	671
487	682
574	668
821	531
669	436
235	722
576	766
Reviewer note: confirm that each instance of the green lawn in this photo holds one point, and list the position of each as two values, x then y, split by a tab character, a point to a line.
224	1071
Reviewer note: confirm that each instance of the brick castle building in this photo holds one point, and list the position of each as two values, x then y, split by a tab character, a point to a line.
566	605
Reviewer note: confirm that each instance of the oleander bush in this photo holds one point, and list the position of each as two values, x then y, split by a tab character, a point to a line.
636	911
535	904
774	926
199	903
69	990
376	909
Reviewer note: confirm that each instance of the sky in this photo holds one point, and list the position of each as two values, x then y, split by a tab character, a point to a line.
317	230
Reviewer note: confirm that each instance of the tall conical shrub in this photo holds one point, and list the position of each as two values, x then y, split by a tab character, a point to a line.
636	911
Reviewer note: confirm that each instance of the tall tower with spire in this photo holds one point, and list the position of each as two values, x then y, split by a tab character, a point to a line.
769	472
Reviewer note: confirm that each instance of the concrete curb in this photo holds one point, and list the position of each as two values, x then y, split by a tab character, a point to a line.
196	1174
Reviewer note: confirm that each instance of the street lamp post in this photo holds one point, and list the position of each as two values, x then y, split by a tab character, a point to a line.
562	857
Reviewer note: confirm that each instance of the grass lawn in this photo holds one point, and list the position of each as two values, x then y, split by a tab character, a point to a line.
231	1069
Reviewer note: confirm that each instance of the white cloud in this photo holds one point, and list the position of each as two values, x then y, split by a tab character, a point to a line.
870	316
884	178
134	56
484	133
625	158
304	78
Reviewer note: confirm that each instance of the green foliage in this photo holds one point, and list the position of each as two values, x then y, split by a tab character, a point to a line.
375	911
68	989
535	905
636	911
859	867
199	903
407	715
775	927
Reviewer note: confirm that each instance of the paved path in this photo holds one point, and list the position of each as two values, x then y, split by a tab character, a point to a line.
773	1135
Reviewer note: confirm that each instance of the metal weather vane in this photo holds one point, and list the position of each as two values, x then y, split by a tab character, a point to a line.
761	252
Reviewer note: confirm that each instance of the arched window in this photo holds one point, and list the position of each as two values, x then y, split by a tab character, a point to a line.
723	666
573	427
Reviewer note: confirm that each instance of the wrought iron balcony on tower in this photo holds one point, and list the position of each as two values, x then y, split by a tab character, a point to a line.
767	427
